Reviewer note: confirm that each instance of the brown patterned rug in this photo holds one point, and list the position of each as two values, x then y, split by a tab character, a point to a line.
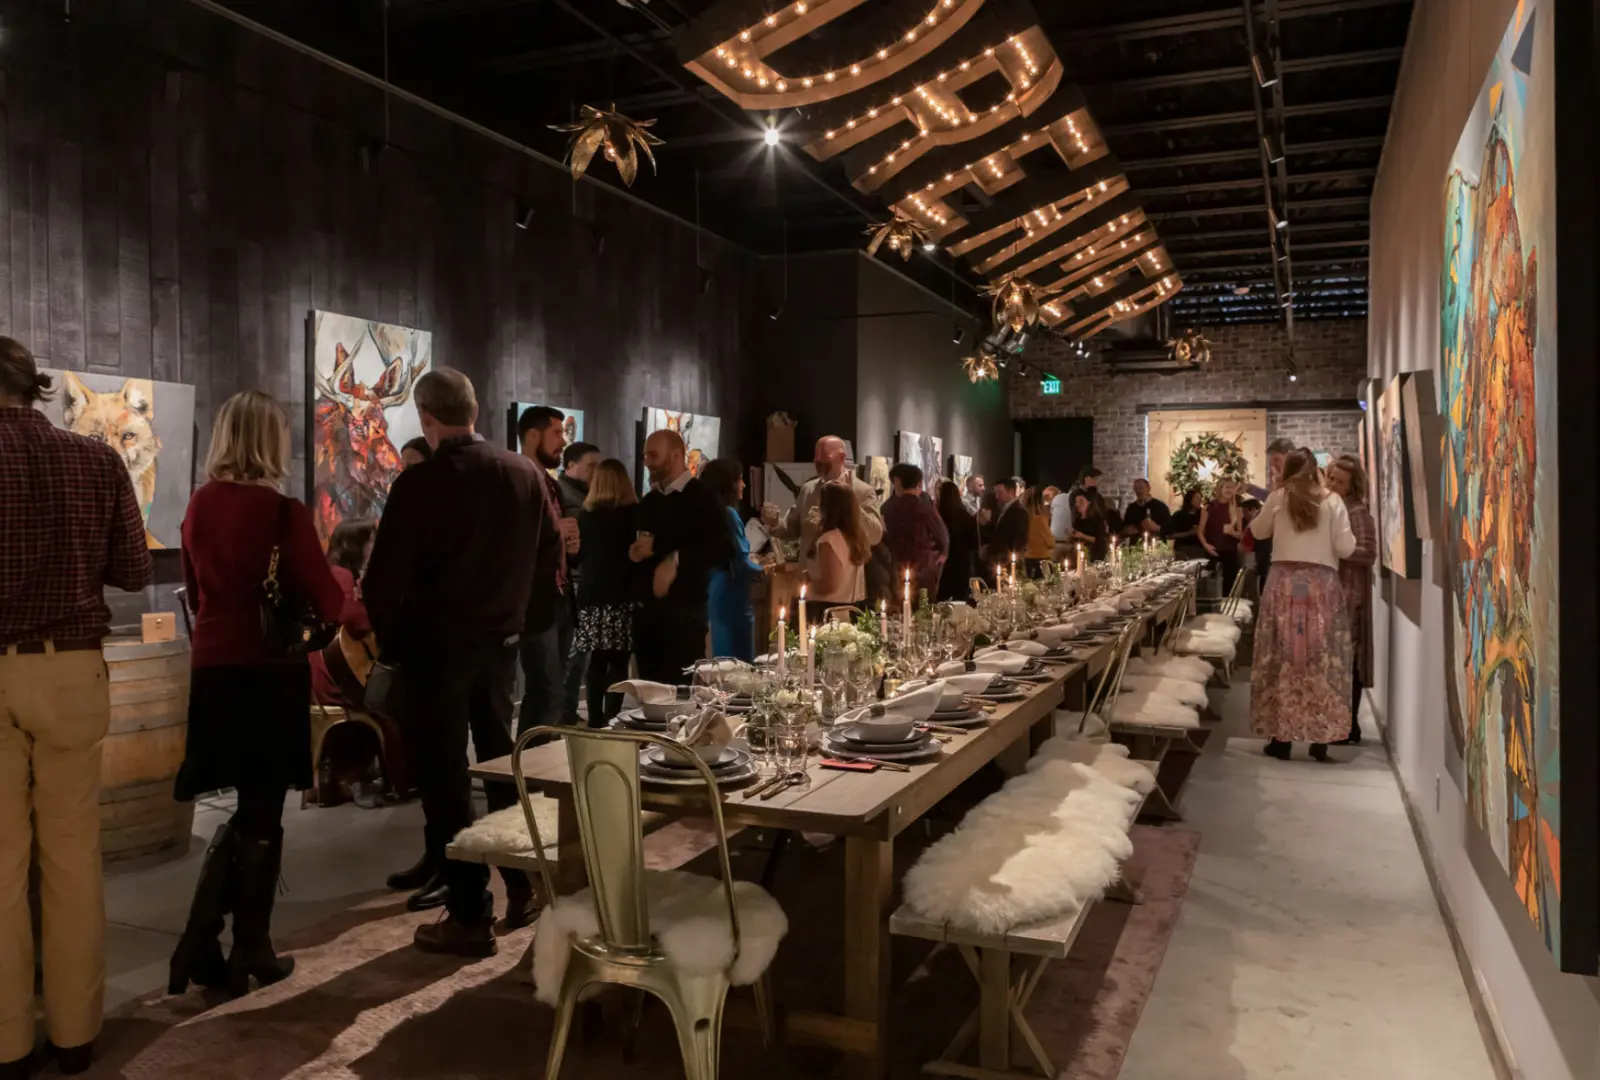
363	1004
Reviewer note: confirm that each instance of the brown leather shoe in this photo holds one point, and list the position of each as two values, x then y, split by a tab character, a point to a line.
452	937
521	910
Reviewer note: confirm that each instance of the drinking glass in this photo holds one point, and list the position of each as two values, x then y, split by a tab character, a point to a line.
862	680
833	673
791	743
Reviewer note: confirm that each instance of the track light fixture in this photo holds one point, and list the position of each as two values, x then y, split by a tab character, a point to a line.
524	216
957	334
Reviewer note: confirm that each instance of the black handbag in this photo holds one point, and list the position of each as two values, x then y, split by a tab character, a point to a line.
288	626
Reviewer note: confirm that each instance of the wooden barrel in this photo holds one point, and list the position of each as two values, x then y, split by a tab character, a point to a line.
144	747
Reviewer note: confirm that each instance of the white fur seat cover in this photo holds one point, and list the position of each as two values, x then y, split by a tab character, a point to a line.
1045	844
506	831
1169	666
1190	641
1216	625
1183	691
689	918
1153	710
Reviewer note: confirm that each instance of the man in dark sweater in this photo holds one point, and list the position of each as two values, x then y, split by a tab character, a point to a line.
447	592
912	529
682	538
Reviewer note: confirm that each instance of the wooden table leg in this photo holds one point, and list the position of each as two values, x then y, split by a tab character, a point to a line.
994	1009
868	896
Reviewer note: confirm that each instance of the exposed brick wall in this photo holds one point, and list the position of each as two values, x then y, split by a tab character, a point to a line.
1247	365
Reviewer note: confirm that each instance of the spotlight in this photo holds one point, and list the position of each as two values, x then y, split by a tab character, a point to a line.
369	152
776	313
1293	377
524	215
957	335
771	136
930	247
705	281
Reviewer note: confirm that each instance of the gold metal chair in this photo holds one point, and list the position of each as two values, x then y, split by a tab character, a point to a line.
324	718
605	786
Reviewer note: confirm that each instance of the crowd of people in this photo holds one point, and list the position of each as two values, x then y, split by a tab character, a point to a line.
487	562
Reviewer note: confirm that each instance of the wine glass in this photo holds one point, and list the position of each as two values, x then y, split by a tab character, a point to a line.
833	673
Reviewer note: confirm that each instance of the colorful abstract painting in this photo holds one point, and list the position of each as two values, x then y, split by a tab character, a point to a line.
1399	548
1500	516
572	427
362	375
151	427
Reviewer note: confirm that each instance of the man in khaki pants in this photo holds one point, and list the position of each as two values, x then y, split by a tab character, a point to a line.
69	526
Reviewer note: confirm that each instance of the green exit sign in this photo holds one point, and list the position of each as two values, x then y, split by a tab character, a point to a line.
1049	386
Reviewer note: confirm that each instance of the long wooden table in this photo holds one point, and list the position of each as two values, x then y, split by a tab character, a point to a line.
869	810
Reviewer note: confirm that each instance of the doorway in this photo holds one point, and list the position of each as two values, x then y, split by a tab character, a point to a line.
1054	451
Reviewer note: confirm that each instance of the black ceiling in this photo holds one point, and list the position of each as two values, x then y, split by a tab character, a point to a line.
1169	82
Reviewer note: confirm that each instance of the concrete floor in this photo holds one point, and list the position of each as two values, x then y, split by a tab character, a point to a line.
1310	945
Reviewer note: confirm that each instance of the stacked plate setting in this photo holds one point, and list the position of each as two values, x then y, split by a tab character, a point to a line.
731	766
859	740
1002	689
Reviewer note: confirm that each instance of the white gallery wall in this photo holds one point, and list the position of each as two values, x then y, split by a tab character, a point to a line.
1549	1022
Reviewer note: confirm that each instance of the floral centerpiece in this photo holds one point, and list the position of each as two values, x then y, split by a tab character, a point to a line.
856	641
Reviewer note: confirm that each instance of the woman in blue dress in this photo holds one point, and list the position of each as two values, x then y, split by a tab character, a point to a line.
733	623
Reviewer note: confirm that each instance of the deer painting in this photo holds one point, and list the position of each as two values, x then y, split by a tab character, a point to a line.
356	461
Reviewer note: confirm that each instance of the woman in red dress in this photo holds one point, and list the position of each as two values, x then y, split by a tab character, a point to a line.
249	721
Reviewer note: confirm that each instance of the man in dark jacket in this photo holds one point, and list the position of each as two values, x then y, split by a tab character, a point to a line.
547	631
913	530
682	538
447	592
1009	534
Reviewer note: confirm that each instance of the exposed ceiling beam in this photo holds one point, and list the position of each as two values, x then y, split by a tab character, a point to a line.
1255	208
1245	116
1255	182
1242	71
583	52
1251	153
1234	234
1219	19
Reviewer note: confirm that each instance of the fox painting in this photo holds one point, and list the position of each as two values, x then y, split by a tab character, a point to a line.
125	421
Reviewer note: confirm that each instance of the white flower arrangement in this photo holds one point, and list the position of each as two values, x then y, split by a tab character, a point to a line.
846	636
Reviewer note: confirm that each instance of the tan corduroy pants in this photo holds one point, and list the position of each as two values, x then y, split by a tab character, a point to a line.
54	710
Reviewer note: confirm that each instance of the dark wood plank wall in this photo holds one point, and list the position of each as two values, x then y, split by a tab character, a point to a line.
178	194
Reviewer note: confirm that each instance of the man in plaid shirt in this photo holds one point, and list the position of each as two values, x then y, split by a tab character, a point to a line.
69	526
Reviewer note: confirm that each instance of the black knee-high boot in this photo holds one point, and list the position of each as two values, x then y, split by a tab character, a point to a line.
198	957
256	869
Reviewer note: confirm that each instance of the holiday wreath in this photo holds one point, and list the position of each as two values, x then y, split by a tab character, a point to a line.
1200	461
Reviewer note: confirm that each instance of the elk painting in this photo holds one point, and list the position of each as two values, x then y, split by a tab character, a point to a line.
149	424
362	374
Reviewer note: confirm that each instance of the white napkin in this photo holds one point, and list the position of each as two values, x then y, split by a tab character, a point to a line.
1004	663
915	706
653	693
645	692
956	687
1020	648
708	727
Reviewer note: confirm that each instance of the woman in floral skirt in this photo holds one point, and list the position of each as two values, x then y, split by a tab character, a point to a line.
605	591
1300	677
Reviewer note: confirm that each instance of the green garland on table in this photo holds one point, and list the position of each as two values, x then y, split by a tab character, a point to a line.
1190	459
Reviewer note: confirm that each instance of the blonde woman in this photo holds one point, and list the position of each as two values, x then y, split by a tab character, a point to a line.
606	590
249	712
1300	676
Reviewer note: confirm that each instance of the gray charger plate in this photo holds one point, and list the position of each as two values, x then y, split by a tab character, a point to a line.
832	746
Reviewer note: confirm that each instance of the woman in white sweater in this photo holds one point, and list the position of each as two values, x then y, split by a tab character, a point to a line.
1300	677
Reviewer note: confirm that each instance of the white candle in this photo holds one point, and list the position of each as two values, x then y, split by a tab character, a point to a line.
905	610
810	646
805	642
783	640
1080	557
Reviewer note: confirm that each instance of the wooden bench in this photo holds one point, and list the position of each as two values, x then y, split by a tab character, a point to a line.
1003	992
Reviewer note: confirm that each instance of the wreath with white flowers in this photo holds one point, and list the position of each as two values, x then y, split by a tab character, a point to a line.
1201	461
